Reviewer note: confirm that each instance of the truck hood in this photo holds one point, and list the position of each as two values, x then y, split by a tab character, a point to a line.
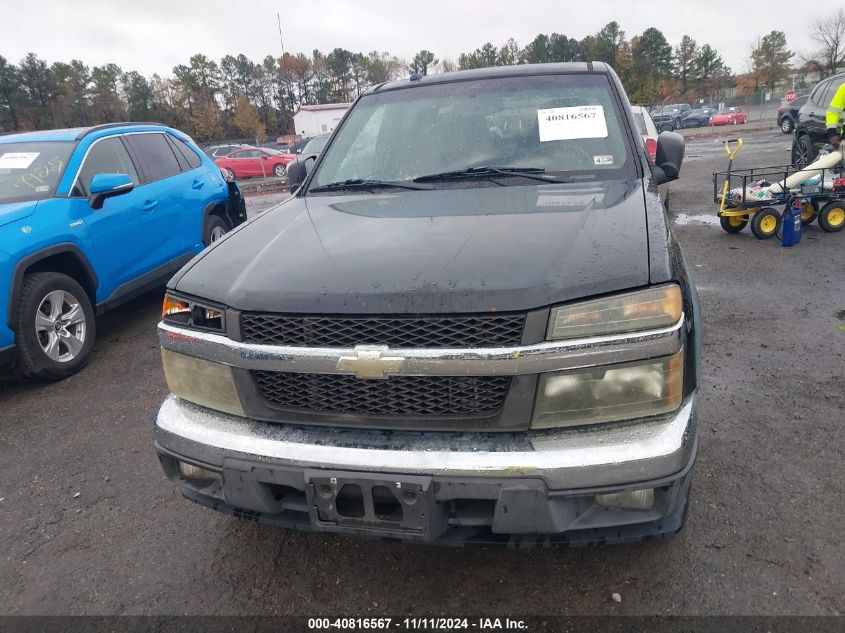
14	211
439	251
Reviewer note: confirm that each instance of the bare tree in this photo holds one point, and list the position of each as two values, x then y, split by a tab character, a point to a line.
829	32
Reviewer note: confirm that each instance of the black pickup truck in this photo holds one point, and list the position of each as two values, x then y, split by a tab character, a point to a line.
470	324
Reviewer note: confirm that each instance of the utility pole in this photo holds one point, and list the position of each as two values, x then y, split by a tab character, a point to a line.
281	39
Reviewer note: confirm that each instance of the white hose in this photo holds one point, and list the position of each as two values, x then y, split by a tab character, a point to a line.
826	161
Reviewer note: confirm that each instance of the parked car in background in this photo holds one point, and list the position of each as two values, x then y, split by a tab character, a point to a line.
277	152
668	118
298	145
90	218
245	163
729	116
216	151
698	118
788	114
314	145
649	133
284	148
478	330
811	128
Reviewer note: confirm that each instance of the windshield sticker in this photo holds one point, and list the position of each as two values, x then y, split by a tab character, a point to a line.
17	160
564	124
603	160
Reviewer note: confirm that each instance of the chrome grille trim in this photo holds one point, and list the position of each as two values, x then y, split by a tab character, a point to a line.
492	361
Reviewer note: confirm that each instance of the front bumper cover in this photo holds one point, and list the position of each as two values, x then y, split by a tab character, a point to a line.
534	488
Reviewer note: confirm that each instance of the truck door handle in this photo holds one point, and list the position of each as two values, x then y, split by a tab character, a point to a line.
149	205
197	184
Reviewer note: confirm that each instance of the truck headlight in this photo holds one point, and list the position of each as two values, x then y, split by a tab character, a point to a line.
202	382
648	309
609	393
180	311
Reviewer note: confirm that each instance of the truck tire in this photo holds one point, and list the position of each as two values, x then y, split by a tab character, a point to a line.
215	228
55	326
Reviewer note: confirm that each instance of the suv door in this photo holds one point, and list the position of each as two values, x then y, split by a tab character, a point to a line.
197	188
814	113
164	188
120	245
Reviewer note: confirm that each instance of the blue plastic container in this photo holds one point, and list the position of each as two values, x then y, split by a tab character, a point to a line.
791	224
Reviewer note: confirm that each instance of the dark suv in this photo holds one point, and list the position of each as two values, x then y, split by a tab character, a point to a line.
471	323
811	128
669	117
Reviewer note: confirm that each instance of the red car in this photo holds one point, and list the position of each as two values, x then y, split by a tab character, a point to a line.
247	162
731	116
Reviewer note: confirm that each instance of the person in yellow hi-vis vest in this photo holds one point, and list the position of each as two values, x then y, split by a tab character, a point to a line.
836	117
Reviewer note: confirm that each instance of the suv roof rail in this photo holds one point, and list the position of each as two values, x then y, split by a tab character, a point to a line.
106	126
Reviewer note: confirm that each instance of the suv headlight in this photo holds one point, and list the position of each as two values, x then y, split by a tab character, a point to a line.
181	311
648	309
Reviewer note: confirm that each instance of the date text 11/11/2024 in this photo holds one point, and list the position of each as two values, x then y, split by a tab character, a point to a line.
417	624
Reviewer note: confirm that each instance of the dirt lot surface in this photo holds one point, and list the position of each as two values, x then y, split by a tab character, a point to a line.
90	525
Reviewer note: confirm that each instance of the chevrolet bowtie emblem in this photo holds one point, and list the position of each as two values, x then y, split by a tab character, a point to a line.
370	363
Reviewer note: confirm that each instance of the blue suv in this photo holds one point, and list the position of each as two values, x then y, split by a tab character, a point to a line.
90	218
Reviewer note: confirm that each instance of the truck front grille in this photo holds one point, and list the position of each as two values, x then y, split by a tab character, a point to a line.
397	396
396	332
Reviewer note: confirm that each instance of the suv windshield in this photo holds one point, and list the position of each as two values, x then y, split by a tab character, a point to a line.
315	145
561	125
31	171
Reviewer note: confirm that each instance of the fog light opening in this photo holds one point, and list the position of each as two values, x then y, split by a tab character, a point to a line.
628	500
189	471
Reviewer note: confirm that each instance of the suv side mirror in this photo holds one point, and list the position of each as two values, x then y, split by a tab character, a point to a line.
298	171
107	186
670	155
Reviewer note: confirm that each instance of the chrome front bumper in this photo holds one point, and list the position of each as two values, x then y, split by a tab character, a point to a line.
565	459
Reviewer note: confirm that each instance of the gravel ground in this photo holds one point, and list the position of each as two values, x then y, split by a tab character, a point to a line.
90	525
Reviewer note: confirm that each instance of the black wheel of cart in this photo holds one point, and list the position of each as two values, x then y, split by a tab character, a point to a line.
832	216
733	223
764	224
809	212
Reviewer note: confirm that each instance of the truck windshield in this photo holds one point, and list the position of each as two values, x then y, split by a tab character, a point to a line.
31	171
565	126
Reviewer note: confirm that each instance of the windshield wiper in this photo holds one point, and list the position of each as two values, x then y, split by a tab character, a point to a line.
359	183
535	173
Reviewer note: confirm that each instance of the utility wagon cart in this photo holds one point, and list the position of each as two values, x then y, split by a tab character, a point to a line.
754	196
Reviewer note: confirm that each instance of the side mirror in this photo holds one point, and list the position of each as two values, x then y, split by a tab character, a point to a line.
298	171
670	155
107	186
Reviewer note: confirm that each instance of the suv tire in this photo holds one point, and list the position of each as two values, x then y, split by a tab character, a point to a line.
803	151
787	125
54	326
215	228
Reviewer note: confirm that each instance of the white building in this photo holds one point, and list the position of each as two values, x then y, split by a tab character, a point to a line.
312	120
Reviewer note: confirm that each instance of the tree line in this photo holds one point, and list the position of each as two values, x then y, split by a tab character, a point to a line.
238	97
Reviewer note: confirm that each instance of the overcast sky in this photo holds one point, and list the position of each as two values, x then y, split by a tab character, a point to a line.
155	35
